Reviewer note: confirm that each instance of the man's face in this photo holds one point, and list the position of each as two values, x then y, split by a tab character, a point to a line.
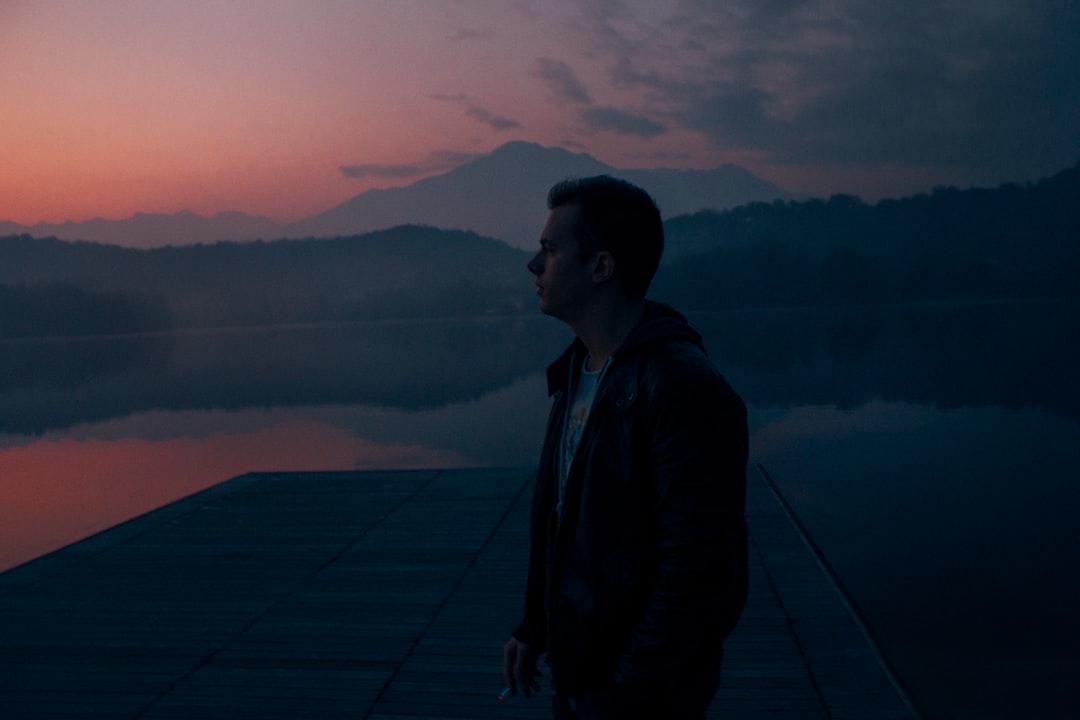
563	280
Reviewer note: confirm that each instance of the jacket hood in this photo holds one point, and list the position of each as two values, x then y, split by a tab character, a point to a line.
659	323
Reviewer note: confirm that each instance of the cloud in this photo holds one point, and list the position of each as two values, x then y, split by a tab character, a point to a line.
562	82
611	119
380	171
439	160
566	89
480	114
986	87
495	122
450	159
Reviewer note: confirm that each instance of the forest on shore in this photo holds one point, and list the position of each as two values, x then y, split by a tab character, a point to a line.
1010	242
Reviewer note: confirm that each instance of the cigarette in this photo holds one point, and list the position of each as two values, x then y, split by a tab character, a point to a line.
504	693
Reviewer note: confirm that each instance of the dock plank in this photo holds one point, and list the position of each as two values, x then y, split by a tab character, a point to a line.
378	595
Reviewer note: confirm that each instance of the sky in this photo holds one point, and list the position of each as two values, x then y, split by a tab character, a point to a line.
286	108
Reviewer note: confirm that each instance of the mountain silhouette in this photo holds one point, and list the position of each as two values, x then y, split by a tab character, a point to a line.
149	230
1013	242
500	195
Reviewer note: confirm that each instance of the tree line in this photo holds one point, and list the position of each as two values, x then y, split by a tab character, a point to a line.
64	309
1014	241
55	287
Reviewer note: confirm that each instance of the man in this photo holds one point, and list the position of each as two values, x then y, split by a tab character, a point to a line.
637	561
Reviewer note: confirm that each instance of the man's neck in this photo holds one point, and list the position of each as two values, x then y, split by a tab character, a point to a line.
604	330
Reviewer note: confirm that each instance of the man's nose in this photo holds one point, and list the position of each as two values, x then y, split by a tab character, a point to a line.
534	265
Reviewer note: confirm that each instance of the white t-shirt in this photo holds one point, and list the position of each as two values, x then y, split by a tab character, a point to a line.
577	414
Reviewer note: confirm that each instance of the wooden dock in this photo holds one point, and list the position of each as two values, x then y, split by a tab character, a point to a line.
374	595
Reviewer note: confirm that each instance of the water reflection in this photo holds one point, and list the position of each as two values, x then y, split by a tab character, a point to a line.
58	384
966	355
954	529
947	356
56	491
932	451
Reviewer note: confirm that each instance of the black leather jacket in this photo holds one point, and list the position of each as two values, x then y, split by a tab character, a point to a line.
640	581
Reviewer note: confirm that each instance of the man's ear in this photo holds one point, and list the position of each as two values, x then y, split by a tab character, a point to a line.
603	267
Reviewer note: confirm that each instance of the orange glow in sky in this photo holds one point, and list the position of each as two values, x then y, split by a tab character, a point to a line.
166	106
114	107
56	492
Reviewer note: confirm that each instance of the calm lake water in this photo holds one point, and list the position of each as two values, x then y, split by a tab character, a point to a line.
932	452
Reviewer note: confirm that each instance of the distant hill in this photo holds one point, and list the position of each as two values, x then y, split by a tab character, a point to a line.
145	230
500	195
1014	241
1010	242
407	271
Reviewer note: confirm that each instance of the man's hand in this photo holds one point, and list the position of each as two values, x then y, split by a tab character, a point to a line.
519	666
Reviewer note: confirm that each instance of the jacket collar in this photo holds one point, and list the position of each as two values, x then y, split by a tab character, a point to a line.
659	323
558	372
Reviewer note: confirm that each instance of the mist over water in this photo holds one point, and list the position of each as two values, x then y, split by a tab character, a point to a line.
931	451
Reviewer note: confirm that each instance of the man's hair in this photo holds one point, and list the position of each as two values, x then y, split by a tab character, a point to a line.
618	217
